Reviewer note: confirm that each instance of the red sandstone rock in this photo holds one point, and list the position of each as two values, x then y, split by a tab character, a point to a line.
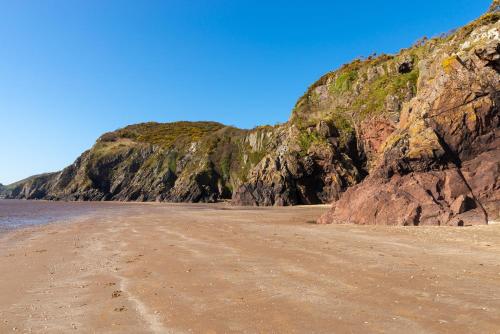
441	166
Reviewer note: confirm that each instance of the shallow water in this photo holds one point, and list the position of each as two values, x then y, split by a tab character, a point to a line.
21	213
24	213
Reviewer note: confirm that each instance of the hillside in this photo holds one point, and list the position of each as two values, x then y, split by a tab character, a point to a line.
390	128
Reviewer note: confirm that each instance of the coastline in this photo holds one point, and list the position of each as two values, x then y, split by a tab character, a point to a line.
97	207
211	269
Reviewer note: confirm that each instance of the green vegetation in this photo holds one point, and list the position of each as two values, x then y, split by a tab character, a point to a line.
225	166
343	124
344	81
485	19
166	135
374	85
256	156
172	161
358	91
370	94
102	149
397	85
303	124
306	140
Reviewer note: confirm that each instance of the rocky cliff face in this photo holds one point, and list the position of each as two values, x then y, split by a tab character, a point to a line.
441	163
179	162
305	166
418	129
203	162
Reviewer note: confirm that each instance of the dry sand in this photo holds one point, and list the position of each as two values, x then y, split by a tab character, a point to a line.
214	269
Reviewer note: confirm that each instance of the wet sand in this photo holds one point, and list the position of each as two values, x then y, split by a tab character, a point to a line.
177	268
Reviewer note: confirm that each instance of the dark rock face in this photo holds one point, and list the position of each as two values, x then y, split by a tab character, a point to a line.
316	178
482	175
122	166
133	174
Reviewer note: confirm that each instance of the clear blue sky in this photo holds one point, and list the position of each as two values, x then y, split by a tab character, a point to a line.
71	70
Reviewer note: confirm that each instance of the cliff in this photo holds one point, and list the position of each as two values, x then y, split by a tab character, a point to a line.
198	161
431	109
440	164
412	137
182	161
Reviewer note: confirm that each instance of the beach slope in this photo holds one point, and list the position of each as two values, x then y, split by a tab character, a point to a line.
178	268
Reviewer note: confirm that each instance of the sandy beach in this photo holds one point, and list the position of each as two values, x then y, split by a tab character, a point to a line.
179	268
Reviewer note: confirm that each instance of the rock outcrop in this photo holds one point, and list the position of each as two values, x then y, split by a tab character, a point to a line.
441	164
306	167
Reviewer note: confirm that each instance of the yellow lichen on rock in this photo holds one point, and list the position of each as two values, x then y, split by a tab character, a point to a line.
423	142
448	63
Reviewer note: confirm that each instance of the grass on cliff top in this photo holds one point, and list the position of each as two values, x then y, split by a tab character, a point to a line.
28	179
222	147
488	18
372	93
369	97
367	100
165	135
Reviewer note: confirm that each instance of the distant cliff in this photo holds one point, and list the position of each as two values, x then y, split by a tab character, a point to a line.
199	161
412	137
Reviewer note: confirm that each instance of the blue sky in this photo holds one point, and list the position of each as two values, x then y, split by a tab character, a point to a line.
71	70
